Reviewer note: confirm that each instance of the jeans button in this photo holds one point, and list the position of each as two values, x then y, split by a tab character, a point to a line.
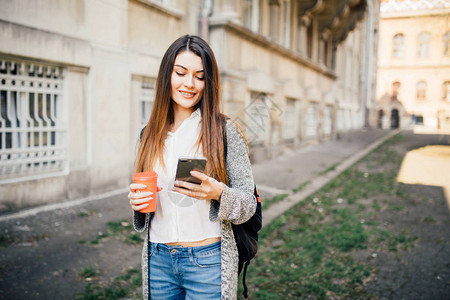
173	251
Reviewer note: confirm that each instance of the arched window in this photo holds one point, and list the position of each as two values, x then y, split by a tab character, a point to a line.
395	90
447	43
423	44
421	90
446	91
398	45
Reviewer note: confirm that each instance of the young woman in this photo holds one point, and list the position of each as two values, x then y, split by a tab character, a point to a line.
190	251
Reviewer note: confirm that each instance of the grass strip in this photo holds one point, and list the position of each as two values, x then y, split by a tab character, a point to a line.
122	286
307	252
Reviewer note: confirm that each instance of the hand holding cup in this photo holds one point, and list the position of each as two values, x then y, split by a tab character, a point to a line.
143	191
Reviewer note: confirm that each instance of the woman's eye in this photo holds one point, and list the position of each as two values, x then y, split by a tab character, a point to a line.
180	74
200	78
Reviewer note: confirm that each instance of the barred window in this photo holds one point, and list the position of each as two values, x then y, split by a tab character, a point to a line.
146	99
33	127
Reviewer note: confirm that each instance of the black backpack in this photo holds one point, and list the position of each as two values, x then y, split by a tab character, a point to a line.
246	234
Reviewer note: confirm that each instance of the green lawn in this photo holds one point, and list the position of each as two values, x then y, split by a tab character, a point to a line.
307	252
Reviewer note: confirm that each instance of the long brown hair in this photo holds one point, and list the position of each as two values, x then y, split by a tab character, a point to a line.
211	134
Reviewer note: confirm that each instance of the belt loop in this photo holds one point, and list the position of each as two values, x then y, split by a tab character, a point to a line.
191	255
156	248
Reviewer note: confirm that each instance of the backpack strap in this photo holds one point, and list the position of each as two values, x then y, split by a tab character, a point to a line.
245	293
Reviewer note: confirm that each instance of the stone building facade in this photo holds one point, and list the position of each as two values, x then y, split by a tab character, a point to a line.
296	71
414	64
77	82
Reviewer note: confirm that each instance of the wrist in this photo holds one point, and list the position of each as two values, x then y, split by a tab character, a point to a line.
219	191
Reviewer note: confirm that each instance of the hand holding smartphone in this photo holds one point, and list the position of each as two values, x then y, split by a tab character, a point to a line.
188	164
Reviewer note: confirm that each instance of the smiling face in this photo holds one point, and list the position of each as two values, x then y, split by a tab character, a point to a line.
187	81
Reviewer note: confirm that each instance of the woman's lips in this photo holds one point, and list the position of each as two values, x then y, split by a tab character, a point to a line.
187	94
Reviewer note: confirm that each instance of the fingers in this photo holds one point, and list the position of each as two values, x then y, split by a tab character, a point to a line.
137	186
187	185
198	191
133	195
194	194
210	188
139	203
139	207
199	175
138	200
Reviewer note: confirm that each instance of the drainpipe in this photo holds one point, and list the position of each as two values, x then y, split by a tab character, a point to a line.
204	22
369	59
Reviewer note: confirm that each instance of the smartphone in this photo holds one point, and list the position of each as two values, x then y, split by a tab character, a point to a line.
188	164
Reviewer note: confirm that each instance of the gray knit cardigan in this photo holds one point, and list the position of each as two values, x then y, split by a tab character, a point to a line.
237	205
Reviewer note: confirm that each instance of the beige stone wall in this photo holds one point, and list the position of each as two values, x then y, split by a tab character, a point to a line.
253	62
101	45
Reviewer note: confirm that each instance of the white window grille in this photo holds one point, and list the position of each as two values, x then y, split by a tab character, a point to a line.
146	99
289	129
33	127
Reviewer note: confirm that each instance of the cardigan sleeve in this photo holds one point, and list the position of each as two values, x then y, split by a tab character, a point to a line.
237	203
139	221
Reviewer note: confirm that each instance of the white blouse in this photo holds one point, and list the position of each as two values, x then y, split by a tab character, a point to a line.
179	218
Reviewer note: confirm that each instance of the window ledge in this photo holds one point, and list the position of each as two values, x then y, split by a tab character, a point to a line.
162	8
269	44
33	177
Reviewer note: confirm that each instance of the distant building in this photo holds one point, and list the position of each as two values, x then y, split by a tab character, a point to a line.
77	80
414	64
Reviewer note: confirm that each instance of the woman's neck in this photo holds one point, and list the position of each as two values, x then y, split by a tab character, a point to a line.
180	114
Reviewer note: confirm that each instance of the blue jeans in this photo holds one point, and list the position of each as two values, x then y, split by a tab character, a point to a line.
177	272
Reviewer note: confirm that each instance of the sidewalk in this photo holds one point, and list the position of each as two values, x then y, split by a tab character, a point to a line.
310	168
43	252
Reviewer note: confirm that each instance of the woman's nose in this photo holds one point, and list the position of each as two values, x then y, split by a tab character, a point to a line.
189	81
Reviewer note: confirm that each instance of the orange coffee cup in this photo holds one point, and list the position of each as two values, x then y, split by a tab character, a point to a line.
150	179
